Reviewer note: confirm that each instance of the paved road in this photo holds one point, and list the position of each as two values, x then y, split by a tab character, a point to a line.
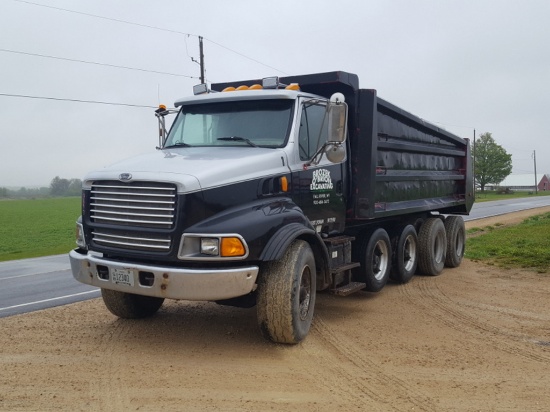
33	284
501	207
40	283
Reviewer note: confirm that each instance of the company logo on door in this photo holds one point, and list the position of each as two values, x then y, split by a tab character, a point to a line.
321	180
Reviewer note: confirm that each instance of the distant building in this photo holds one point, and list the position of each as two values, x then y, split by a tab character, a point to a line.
520	182
544	183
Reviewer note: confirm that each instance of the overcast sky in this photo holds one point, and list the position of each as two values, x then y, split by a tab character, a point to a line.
464	65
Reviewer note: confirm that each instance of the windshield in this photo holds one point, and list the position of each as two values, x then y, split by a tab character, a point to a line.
253	123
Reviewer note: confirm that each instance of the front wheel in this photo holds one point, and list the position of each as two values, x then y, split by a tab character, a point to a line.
286	295
130	306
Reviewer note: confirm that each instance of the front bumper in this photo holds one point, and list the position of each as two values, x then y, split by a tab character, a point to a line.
164	281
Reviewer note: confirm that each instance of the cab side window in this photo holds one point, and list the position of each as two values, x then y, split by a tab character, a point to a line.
313	130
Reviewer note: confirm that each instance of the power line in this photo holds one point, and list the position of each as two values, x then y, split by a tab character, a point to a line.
105	18
95	63
148	27
76	100
246	57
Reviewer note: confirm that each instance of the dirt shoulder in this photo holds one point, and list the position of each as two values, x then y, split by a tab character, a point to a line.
475	338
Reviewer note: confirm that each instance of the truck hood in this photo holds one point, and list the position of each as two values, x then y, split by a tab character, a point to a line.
197	168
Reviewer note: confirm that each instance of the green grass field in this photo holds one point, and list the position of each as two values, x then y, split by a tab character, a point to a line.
526	245
42	227
490	196
37	227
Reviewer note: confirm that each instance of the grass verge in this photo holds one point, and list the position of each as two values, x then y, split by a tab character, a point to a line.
37	227
526	245
491	196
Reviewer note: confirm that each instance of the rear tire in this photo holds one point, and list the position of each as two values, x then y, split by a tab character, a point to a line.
406	256
130	306
286	295
376	260
432	246
456	241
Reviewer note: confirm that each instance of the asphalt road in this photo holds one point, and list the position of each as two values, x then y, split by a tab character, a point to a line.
40	283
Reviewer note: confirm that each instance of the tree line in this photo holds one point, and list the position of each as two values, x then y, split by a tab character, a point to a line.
59	187
492	165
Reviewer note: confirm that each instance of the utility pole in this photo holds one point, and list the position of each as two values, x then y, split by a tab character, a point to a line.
474	165
535	162
201	58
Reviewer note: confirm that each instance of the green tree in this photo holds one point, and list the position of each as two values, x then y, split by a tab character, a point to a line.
59	187
492	163
75	187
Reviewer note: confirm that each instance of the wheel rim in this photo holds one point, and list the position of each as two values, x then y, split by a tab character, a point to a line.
305	293
439	247
380	260
409	253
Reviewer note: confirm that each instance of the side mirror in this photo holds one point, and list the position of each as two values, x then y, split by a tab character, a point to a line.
337	119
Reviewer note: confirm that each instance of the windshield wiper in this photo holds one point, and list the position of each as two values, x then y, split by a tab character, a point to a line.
177	144
237	139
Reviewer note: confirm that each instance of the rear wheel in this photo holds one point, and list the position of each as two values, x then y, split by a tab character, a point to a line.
130	306
376	260
432	246
456	241
286	295
406	256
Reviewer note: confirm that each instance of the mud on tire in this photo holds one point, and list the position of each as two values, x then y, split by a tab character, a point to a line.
286	295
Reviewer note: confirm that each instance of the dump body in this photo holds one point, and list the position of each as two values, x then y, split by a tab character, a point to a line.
398	163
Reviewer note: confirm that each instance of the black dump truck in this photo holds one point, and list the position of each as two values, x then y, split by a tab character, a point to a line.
264	192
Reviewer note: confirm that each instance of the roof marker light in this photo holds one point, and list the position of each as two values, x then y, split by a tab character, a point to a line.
293	86
242	87
256	87
229	89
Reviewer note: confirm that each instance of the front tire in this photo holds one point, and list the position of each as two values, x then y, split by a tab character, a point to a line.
286	295
130	306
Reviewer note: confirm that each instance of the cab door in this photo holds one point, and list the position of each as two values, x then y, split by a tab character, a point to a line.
318	188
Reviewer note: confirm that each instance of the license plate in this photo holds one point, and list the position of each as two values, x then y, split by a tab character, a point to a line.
122	276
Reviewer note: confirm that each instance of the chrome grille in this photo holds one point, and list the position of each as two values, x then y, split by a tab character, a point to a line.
141	204
126	240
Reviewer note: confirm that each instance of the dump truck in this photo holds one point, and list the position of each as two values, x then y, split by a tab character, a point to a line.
265	192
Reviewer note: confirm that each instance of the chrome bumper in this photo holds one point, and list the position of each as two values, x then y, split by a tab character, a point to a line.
164	282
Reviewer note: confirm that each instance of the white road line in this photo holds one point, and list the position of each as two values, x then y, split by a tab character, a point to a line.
48	300
33	274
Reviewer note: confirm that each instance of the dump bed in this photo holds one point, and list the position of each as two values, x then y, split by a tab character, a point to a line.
402	164
398	163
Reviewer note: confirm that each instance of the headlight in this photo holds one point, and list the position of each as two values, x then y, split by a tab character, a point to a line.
210	246
228	246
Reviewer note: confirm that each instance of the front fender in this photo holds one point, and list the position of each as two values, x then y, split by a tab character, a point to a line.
257	222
